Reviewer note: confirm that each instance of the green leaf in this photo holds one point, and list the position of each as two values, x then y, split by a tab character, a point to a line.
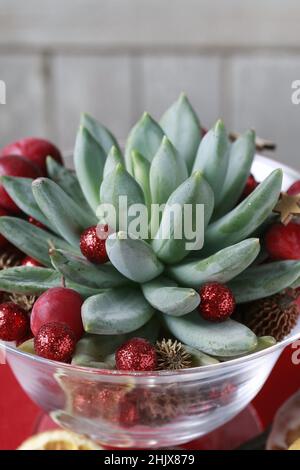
181	124
68	181
116	184
113	159
68	218
20	190
220	267
133	257
170	242
145	137
246	217
116	311
199	358
164	295
167	172
140	171
100	133
89	160
240	161
83	272
31	240
212	158
264	280
34	281
228	338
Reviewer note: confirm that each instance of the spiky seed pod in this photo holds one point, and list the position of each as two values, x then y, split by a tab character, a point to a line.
273	316
172	355
9	258
24	301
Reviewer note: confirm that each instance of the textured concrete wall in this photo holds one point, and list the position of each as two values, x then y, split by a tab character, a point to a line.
116	58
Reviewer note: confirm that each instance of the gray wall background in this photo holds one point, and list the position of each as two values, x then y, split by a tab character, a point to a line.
116	58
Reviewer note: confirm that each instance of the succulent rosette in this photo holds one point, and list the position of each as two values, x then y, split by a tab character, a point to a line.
155	282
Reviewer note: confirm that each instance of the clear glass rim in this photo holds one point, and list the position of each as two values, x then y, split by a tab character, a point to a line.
190	372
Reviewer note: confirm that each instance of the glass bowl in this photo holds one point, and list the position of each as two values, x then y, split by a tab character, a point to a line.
148	410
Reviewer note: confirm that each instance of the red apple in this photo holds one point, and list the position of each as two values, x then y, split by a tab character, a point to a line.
58	304
14	165
34	149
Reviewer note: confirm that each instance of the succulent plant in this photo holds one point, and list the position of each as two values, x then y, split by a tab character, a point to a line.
152	281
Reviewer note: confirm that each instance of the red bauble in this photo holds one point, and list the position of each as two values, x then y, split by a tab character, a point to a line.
294	190
35	222
137	354
35	150
283	241
55	341
14	322
14	165
3	241
92	243
30	262
58	304
217	302
250	186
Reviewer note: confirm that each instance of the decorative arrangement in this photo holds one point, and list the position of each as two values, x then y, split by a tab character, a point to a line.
85	291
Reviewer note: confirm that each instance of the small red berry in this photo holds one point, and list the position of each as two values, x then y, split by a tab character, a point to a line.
92	243
14	322
136	354
58	304
283	241
35	150
294	190
55	341
14	165
250	186
30	262
217	302
35	222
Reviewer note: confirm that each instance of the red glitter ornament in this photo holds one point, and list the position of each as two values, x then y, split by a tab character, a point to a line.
136	354
14	322
30	262
55	341
92	243
217	302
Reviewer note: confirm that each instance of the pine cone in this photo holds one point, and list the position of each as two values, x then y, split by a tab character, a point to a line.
273	316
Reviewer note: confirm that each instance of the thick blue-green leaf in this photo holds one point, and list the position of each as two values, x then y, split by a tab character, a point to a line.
113	159
100	133
212	158
30	239
220	267
89	160
81	271
69	219
116	311
133	257
140	171
228	338
181	124
145	137
164	295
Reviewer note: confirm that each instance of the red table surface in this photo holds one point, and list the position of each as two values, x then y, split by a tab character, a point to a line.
18	414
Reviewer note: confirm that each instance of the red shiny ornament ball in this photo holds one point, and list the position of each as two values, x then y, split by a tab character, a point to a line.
282	242
35	222
14	322
34	150
58	304
92	243
217	302
137	354
294	190
30	262
251	185
3	241
14	165
55	341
